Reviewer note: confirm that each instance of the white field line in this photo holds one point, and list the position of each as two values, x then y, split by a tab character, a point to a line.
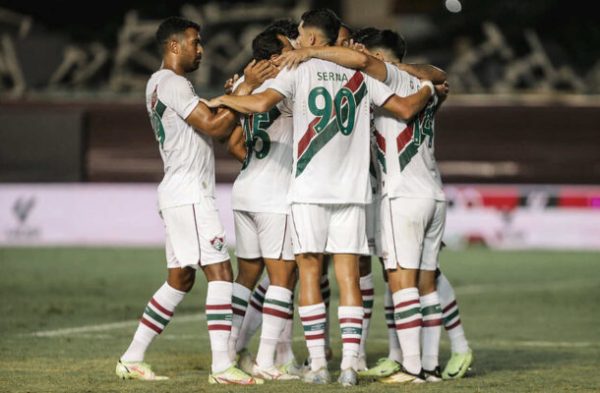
108	326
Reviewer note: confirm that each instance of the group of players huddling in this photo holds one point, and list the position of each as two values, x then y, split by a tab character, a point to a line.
335	135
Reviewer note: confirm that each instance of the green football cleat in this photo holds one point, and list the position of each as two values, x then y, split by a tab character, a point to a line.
384	368
403	376
458	365
137	370
234	376
291	368
245	361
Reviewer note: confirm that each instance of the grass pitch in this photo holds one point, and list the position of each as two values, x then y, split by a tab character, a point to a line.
66	315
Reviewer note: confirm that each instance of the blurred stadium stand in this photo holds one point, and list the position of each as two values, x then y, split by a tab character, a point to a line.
524	104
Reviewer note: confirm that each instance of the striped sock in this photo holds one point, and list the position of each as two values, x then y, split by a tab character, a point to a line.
408	319
276	311
326	295
351	322
367	292
451	316
393	344
285	353
239	304
431	330
156	317
254	315
218	317
313	321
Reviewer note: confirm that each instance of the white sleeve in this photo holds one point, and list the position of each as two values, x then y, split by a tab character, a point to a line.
285	82
178	94
378	92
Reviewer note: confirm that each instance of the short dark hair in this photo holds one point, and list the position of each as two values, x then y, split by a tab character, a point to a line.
350	29
286	27
371	37
266	44
324	19
173	25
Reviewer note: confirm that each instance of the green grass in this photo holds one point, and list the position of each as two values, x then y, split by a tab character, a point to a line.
532	318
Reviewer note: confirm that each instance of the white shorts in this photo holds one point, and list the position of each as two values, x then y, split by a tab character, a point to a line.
329	228
373	220
265	235
195	235
412	232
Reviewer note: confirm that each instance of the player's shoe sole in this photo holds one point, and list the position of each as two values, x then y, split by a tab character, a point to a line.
403	376
137	370
234	376
458	365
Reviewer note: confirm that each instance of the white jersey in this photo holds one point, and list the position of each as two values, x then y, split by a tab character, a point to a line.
187	155
409	169
331	131
264	180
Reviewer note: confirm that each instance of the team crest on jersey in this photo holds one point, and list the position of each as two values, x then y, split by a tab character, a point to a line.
218	243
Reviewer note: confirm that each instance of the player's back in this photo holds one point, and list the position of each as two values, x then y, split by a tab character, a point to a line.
331	131
410	166
263	182
188	156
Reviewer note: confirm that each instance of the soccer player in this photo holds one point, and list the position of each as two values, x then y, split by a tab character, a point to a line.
330	185
184	128
261	215
409	187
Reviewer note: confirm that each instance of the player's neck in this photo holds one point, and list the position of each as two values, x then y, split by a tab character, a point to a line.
173	65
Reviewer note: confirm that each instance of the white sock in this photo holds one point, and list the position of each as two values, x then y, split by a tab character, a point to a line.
285	352
156	316
451	316
367	293
239	304
395	353
351	322
253	318
326	295
313	320
407	315
218	317
275	315
431	330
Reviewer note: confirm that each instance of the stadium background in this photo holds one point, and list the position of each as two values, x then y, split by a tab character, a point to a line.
80	238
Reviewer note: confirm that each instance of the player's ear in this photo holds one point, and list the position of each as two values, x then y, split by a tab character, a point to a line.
173	46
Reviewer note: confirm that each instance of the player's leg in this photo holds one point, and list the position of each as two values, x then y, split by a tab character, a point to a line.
430	301
404	236
182	253
309	234
252	321
278	256
326	294
156	317
368	294
346	241
214	260
462	356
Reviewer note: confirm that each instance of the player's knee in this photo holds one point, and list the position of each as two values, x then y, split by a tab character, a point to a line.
219	272
182	279
364	265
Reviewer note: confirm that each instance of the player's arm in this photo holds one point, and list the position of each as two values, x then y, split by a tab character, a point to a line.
424	71
346	57
219	124
255	103
405	108
236	145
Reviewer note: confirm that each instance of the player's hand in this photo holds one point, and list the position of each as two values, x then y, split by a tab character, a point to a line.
212	103
256	73
229	84
292	59
358	47
442	90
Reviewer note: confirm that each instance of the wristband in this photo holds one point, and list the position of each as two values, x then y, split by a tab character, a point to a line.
430	85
